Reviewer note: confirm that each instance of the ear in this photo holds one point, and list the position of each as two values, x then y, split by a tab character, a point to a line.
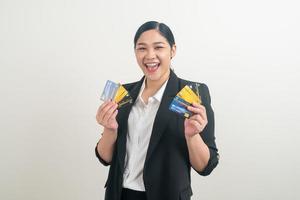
173	51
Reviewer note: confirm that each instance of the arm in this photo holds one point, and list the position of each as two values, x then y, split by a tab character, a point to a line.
200	138
105	147
198	152
106	116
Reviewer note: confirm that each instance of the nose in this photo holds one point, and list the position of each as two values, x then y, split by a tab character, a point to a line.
150	54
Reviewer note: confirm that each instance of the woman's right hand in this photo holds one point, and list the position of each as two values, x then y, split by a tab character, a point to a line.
106	115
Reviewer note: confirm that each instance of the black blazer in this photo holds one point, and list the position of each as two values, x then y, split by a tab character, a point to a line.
167	167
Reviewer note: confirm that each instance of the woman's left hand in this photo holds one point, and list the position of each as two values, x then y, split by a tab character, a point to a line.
197	122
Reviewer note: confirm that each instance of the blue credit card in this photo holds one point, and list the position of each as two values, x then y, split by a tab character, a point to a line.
179	106
109	91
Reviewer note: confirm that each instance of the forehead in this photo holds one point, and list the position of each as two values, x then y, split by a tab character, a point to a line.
150	37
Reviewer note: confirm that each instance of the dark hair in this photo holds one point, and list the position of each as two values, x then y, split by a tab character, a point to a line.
162	28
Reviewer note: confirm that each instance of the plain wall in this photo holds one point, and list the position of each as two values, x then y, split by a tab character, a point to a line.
55	57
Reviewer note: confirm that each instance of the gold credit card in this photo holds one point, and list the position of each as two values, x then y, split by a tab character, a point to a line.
184	98
116	92
189	95
121	93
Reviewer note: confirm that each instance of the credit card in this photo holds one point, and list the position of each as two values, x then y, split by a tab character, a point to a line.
109	91
179	106
116	92
188	95
185	97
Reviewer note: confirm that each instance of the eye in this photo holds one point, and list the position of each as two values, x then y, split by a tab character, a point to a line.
159	47
141	48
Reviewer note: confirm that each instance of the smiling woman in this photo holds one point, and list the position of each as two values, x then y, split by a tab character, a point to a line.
149	148
153	54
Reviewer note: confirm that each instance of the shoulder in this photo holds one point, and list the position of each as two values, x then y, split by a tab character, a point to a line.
184	82
130	85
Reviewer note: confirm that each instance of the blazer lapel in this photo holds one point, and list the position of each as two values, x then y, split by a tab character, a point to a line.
122	119
163	114
160	122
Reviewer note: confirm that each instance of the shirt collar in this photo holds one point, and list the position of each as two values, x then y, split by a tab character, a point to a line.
158	95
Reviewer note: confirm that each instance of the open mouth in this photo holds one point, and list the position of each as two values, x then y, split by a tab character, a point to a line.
152	67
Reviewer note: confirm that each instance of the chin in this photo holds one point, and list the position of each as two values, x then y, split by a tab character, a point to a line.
153	77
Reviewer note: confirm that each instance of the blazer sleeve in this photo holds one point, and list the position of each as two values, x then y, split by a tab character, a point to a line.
208	133
99	157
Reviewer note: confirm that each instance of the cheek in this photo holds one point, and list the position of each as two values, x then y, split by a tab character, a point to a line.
140	55
138	58
165	58
165	55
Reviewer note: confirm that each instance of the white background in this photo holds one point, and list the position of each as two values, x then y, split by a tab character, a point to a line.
55	57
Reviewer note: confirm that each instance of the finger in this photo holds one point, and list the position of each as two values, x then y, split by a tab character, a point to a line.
114	115
194	109
200	125
112	120
98	114
203	113
196	117
202	122
101	107
197	105
109	112
104	110
199	110
196	125
199	118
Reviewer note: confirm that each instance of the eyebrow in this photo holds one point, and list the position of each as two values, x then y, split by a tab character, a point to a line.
142	43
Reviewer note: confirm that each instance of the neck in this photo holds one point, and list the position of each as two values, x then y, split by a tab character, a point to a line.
154	85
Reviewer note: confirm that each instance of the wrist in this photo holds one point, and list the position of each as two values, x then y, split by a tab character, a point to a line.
110	134
110	131
189	138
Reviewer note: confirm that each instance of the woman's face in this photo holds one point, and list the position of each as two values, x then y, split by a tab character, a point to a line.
153	54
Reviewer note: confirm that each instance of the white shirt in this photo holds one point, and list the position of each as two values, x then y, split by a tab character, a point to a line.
140	124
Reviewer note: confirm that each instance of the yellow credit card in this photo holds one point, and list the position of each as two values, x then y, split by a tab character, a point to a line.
189	95
121	93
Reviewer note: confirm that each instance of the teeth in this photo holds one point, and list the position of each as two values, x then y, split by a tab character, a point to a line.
151	64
